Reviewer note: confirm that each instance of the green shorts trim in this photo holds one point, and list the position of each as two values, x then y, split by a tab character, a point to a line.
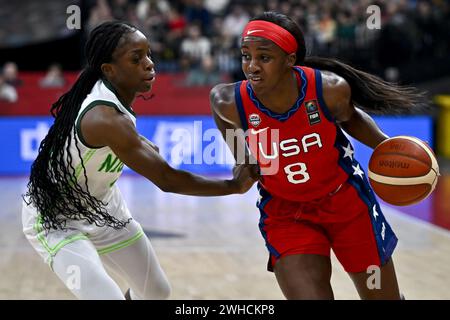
52	251
121	245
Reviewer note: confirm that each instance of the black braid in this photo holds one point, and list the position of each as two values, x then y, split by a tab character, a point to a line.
53	188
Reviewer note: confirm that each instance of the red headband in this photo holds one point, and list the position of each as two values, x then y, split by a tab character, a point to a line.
273	32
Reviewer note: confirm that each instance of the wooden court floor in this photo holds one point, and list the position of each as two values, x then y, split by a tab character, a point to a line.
211	248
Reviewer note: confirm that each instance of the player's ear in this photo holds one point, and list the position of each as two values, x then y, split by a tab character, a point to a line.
290	59
107	69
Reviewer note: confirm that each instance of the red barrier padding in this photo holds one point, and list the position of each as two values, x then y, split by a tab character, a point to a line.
171	97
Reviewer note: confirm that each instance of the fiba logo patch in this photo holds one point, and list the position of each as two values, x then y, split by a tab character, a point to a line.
312	111
254	119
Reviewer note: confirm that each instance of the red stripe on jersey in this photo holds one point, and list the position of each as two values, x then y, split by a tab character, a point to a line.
296	150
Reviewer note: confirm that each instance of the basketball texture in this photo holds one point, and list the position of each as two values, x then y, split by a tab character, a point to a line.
403	170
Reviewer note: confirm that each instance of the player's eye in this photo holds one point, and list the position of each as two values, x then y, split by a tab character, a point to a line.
245	56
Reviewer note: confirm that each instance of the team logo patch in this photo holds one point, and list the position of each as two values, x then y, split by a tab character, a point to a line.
254	119
312	110
311	106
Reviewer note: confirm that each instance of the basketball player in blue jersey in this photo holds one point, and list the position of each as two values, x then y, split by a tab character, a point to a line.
319	198
73	213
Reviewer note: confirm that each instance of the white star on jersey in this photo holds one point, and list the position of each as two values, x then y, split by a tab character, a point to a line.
383	229
375	212
348	151
358	171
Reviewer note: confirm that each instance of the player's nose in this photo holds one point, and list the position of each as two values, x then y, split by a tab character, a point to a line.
149	64
253	66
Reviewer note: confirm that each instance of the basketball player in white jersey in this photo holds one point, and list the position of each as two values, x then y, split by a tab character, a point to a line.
73	212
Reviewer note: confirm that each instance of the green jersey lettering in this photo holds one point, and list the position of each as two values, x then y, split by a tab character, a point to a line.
119	168
109	164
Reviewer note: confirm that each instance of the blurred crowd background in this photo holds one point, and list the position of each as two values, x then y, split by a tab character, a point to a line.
201	37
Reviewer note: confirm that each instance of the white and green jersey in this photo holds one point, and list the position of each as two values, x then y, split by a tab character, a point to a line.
103	167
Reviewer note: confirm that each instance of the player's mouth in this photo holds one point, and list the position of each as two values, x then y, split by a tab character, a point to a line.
150	78
255	79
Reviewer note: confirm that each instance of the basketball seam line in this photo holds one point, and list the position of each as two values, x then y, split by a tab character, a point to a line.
401	180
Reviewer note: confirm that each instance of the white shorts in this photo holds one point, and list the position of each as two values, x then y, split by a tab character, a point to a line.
105	239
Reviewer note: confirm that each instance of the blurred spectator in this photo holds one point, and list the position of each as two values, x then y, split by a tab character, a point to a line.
427	28
7	92
101	12
54	77
273	5
327	31
235	21
216	6
176	25
395	43
175	21
196	57
198	14
285	8
346	33
11	74
195	47
225	50
151	14
119	9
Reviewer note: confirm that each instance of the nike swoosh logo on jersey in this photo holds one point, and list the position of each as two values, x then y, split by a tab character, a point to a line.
252	31
259	131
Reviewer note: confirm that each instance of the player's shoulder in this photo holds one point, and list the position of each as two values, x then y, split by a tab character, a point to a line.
222	98
106	126
336	90
104	117
333	81
222	94
223	102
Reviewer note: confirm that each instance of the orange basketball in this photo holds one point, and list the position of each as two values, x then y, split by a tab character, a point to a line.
403	170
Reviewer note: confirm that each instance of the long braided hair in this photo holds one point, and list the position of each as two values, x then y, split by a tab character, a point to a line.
52	187
369	92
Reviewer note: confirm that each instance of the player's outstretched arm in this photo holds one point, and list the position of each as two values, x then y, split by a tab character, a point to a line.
104	126
356	122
